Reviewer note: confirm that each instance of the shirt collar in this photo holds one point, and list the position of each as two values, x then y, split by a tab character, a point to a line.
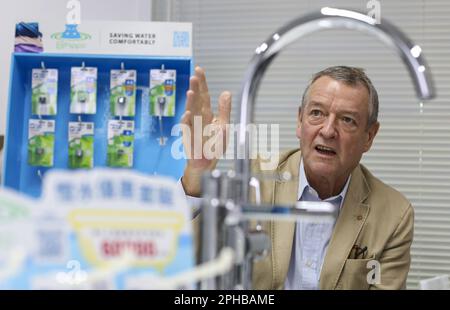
304	184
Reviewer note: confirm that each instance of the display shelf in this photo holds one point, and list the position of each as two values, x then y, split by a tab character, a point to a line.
149	156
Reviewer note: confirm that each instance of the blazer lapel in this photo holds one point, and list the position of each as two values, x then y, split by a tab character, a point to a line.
286	192
351	219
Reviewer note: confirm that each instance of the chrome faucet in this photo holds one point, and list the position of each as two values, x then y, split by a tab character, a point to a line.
227	207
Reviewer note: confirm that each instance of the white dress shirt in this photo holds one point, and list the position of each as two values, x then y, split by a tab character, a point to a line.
311	240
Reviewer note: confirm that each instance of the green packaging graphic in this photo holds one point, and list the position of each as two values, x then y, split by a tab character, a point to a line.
44	84
83	90
81	145
123	92
162	92
120	143
41	142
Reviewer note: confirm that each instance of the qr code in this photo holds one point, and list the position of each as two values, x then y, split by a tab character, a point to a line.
181	39
50	245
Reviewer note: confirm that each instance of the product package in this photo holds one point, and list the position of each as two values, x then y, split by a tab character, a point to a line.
123	92
162	92
41	142
120	143
83	90
44	83
81	145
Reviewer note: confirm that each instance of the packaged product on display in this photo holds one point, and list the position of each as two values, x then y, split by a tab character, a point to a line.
123	92
81	144
44	83
162	92
120	143
83	90
41	142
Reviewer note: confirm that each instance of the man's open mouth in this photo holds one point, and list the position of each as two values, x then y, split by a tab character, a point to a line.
325	150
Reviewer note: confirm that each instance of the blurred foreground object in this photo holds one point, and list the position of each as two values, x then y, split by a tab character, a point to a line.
95	229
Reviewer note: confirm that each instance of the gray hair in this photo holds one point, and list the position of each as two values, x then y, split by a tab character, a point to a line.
350	76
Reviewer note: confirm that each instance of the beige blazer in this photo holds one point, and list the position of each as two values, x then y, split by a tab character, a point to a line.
373	215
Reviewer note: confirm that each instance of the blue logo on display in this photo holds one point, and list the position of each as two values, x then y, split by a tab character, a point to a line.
71	38
71	32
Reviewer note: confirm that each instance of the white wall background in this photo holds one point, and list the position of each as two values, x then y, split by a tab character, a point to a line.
37	10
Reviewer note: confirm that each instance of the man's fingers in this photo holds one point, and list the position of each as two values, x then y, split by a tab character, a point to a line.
201	99
200	74
186	118
190	101
198	101
194	84
203	88
224	107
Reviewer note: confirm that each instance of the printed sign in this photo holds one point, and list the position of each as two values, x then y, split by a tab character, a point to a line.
115	37
95	229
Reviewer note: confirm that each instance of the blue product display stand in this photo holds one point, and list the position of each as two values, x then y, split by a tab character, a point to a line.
149	157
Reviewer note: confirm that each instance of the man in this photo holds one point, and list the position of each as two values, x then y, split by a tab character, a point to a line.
337	123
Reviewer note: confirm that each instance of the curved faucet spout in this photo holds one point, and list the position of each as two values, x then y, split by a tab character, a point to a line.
326	18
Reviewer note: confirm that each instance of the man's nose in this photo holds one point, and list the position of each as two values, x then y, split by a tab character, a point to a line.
328	130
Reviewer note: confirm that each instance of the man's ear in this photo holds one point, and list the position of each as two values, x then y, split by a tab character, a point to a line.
299	122
372	132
